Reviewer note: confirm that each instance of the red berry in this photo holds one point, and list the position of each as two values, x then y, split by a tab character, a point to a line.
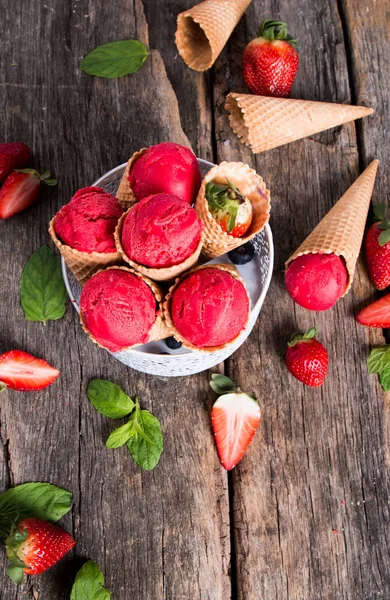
38	544
307	359
270	62
23	372
234	418
376	314
13	155
378	250
20	190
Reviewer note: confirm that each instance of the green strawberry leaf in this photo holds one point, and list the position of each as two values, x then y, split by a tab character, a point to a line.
221	384
120	436
16	574
89	584
115	59
109	399
3	386
146	447
384	237
379	359
379	211
233	211
385	378
42	289
40	500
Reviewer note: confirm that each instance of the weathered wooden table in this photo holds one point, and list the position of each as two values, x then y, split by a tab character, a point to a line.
305	515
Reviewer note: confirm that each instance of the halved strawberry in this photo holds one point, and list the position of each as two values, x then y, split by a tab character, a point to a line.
235	417
34	546
22	371
376	314
231	209
20	190
13	155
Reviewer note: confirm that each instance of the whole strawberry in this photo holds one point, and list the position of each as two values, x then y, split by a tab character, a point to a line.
13	155
270	62
34	546
377	246
230	209
306	358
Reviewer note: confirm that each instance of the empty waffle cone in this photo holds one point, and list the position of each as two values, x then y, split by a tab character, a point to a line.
341	231
203	30
159	329
216	241
167	308
263	123
158	274
125	194
83	264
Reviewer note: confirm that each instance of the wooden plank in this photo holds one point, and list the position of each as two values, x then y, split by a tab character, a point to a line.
310	504
162	534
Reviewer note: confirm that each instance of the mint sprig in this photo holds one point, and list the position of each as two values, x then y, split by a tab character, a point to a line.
379	362
142	433
39	500
42	289
115	59
89	584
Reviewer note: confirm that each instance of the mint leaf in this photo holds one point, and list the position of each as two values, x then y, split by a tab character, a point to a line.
385	378
109	399
221	384
40	500
89	584
115	59
121	435
379	358
42	289
146	448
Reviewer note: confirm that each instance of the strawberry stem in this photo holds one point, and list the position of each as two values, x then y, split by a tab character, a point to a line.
297	337
276	30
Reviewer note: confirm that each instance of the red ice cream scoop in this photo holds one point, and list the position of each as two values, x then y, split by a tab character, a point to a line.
87	223
210	307
161	231
166	168
117	309
316	281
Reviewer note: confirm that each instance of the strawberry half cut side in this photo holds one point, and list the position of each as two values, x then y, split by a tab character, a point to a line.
376	314
22	371
235	418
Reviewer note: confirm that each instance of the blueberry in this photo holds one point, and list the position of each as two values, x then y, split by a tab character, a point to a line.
243	254
173	343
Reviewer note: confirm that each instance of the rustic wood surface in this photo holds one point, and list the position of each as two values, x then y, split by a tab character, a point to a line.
305	515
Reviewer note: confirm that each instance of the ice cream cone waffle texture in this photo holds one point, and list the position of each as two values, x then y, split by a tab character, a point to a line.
83	264
158	274
125	195
159	329
203	30
216	241
263	123
341	231
167	307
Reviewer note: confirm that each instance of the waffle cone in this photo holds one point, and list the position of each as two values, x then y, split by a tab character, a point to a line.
159	329
158	274
341	231
263	123
125	194
216	241
167	308
203	30
83	264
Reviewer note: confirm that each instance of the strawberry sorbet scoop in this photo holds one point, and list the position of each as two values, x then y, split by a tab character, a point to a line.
316	281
